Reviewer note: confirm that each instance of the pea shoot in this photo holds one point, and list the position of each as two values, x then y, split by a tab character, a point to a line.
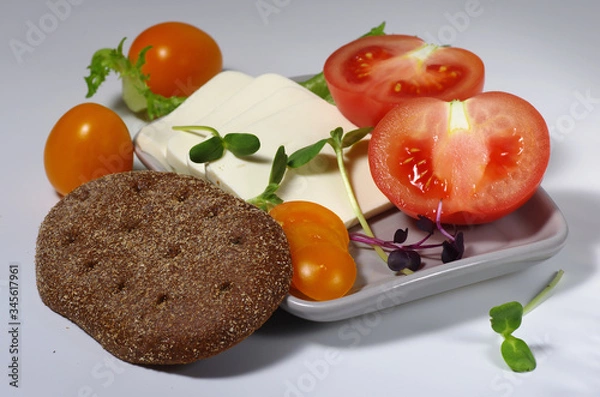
282	161
240	144
507	318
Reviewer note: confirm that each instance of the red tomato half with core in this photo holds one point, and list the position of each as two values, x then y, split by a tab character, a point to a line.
371	75
483	157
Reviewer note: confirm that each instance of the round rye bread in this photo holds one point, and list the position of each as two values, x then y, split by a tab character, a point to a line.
161	268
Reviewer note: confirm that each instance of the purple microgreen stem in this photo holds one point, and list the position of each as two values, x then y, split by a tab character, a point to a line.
438	223
390	245
405	257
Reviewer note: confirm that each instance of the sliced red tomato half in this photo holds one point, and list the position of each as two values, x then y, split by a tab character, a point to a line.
369	76
483	157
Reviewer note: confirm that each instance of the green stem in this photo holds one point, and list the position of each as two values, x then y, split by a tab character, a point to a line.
196	128
354	203
132	95
543	293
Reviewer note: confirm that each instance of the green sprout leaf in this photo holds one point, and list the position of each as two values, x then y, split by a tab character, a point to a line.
507	318
338	141
303	156
241	144
336	138
209	150
318	86
517	354
378	30
269	198
278	168
354	136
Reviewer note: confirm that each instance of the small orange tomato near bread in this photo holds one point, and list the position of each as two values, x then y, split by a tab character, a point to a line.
318	240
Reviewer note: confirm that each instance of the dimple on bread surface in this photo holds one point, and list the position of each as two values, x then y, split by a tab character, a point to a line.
161	268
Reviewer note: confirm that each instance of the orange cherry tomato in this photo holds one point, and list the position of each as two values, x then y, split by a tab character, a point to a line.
298	211
302	234
181	58
323	271
318	239
87	142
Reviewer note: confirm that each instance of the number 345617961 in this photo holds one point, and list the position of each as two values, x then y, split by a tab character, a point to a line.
13	291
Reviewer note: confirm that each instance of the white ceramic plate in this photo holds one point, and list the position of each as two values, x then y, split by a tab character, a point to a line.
530	235
522	239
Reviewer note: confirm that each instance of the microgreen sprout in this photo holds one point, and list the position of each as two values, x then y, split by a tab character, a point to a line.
281	162
506	318
406	258
269	198
239	143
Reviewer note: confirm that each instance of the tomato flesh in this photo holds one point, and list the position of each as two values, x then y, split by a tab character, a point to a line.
481	168
371	75
181	58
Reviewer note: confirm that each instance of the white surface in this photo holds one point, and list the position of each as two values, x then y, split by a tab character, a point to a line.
544	51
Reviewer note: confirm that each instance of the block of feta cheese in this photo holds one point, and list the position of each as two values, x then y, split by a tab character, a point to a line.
152	139
280	112
248	106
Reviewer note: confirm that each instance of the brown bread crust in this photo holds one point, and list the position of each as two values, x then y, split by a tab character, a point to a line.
161	268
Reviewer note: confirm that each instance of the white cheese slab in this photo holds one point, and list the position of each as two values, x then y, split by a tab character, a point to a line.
243	102
179	146
261	88
295	127
281	99
153	138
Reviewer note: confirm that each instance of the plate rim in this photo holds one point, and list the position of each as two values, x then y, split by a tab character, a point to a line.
456	274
